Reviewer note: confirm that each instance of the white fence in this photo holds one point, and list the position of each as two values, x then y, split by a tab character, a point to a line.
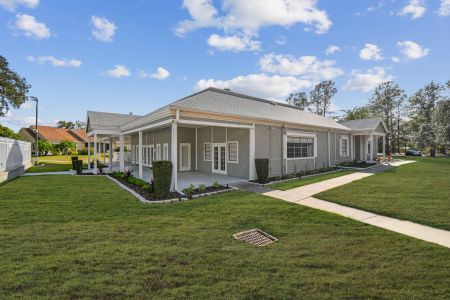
14	154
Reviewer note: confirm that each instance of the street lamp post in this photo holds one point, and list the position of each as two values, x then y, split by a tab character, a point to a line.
36	151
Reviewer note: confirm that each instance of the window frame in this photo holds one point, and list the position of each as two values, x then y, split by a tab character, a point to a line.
165	151
344	138
210	151
312	136
228	152
158	152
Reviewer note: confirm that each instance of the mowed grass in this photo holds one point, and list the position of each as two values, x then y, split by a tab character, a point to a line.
49	167
287	185
57	163
84	237
418	192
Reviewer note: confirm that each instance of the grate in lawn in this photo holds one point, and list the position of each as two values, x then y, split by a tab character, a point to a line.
256	237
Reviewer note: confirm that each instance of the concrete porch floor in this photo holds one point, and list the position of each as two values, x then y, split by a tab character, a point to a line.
185	178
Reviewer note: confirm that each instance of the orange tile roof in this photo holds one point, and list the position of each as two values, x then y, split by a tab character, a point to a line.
53	134
79	133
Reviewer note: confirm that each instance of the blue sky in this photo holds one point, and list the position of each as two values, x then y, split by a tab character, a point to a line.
135	56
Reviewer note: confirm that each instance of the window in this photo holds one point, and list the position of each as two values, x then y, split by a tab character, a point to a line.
344	146
207	151
233	152
166	151
158	152
300	147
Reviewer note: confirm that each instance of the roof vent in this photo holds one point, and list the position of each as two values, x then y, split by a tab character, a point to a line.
227	89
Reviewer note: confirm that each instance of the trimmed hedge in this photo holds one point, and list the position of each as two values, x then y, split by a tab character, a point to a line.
262	169
162	177
73	158
78	166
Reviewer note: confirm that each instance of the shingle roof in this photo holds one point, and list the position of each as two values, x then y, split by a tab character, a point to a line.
56	135
106	120
363	124
231	103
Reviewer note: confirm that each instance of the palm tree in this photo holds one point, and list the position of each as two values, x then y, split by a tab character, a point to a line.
355	113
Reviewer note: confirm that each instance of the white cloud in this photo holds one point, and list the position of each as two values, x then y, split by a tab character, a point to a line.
260	85
332	49
160	74
415	8
309	67
31	27
104	29
412	50
395	59
64	62
367	81
370	52
233	43
16	122
444	8
118	71
281	40
27	105
247	17
11	5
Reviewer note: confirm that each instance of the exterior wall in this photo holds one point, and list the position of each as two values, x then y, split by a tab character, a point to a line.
153	137
269	144
380	129
298	164
357	147
339	158
186	135
203	136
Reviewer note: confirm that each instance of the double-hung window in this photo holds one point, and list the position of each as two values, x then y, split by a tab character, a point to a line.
233	152
300	147
207	151
344	146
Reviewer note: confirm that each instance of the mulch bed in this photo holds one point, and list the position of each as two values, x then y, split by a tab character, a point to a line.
211	189
145	192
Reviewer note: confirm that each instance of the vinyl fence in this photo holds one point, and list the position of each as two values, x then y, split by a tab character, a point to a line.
14	154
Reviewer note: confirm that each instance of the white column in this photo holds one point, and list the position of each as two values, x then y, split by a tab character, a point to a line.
252	170
328	146
89	153
122	154
284	150
350	147
384	149
140	155
371	148
196	150
110	154
104	152
95	152
174	156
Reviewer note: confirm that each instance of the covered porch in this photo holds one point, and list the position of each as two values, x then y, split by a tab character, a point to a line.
368	146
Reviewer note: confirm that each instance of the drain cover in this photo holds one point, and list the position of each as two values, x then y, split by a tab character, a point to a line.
256	237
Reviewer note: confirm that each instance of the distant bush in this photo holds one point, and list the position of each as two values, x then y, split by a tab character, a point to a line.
162	176
262	169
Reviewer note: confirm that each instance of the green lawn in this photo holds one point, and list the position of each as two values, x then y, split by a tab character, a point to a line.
66	158
84	237
418	192
57	163
287	185
49	167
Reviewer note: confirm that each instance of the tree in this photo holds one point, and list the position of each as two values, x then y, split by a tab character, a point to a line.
9	133
355	113
13	88
66	147
70	124
320	97
399	113
383	103
422	106
44	147
299	100
441	123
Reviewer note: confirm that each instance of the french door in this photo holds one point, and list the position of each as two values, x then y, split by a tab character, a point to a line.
219	164
185	157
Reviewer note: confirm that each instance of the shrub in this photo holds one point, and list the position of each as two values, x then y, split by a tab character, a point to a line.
138	182
189	191
162	175
118	175
74	158
78	166
216	185
201	188
262	169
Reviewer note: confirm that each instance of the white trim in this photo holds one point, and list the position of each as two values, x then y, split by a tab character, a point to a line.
304	135
210	151
343	138
196	150
122	153
174	156
158	152
217	124
188	168
159	124
165	151
228	152
141	170
252	171
219	145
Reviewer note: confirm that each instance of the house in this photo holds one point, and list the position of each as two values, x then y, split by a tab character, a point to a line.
217	134
57	135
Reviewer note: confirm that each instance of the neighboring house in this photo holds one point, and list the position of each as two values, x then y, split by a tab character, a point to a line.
219	131
57	135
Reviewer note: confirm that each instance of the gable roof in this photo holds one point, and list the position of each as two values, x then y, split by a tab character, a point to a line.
53	134
226	102
365	124
106	120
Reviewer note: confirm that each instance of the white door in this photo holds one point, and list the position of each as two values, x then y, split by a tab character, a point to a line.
219	164
185	157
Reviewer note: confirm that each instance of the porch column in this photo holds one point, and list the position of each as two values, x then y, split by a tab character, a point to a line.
350	147
140	155
110	154
89	152
252	153
104	152
384	148
95	152
121	154
174	156
371	148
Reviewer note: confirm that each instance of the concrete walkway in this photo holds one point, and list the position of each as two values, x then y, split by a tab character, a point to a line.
302	196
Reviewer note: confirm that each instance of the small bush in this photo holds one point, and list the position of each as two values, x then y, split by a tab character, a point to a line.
138	182
262	169
128	173
78	166
162	175
216	185
201	188
118	175
189	191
